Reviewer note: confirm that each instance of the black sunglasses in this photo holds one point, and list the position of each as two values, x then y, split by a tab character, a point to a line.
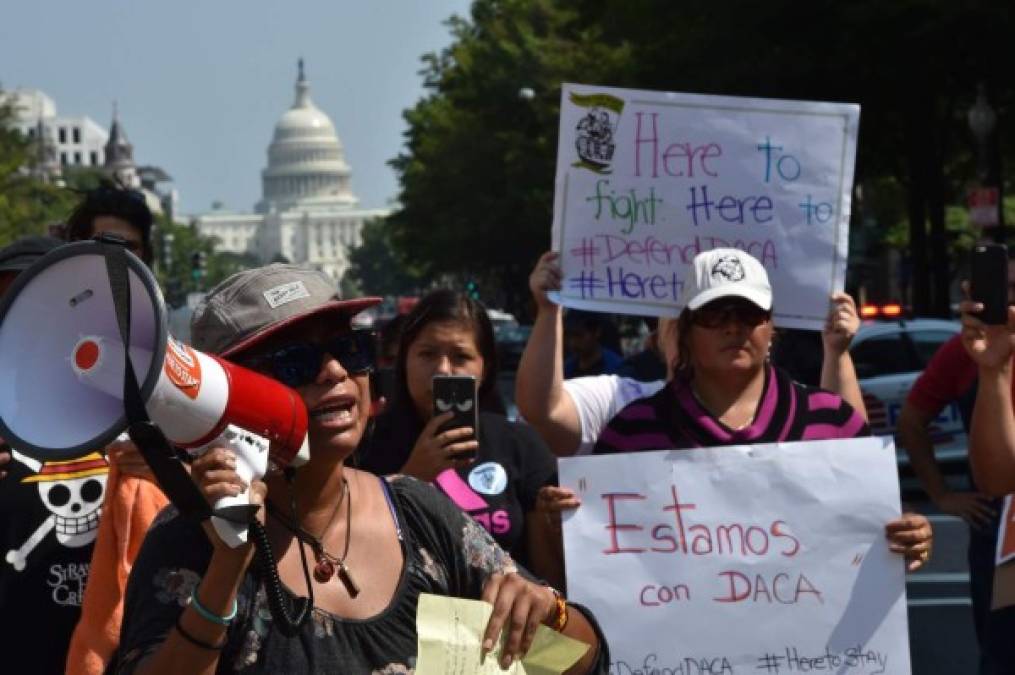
716	314
299	363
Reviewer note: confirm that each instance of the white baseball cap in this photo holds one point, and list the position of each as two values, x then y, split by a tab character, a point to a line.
726	272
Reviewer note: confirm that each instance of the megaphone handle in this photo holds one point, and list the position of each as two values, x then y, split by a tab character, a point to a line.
232	533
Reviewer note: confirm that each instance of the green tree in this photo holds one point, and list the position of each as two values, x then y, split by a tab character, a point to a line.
28	205
477	170
478	166
374	266
175	247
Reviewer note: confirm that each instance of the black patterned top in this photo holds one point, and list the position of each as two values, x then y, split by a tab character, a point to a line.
445	553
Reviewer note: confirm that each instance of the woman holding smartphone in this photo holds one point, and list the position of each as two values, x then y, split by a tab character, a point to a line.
493	473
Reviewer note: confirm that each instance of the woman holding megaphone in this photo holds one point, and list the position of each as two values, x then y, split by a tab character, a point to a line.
196	605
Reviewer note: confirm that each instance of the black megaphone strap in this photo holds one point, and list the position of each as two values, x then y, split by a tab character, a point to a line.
149	438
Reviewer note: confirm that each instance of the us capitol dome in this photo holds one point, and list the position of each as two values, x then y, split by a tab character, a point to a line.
308	213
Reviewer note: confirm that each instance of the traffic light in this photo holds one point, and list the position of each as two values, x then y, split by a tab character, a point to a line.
197	267
197	264
472	289
175	296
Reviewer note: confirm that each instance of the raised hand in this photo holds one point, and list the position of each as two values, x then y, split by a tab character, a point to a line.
124	454
841	324
989	346
215	474
545	277
436	451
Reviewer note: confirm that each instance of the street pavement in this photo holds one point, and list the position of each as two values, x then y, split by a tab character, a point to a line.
942	641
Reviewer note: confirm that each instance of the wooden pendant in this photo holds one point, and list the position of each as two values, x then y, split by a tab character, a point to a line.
324	570
346	578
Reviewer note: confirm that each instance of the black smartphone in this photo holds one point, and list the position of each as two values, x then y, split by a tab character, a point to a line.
989	282
457	393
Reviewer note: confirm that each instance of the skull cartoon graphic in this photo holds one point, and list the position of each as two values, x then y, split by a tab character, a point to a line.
72	491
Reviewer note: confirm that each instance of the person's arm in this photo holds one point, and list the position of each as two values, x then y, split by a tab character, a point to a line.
539	383
914	432
992	433
216	592
197	647
544	542
481	569
546	538
837	372
992	430
519	606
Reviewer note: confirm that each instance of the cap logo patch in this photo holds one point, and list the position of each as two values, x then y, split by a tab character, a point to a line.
729	268
280	295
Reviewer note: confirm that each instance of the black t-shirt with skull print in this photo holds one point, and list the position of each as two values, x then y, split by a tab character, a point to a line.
49	516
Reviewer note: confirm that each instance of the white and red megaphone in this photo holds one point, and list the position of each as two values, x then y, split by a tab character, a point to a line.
62	370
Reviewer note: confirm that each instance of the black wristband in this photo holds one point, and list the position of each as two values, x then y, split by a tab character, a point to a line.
196	642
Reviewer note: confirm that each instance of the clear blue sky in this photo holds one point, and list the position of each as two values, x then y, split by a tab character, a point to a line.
200	85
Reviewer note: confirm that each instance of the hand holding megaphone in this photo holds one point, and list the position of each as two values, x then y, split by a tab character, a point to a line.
240	452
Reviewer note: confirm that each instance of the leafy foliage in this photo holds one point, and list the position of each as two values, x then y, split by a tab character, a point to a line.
477	171
27	205
478	165
176	245
375	268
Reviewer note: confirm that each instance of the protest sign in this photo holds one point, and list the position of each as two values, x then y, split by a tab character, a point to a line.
766	559
647	180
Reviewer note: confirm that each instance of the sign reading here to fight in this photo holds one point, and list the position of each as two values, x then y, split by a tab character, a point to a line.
647	180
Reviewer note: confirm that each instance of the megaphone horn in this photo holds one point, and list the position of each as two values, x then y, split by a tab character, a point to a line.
62	370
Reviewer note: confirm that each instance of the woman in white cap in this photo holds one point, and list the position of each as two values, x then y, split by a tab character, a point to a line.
194	605
726	392
571	414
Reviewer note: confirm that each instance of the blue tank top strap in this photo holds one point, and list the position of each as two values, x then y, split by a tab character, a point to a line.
391	506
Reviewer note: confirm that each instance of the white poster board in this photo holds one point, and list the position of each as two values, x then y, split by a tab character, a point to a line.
646	180
766	559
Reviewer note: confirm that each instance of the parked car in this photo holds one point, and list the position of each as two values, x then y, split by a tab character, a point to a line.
511	341
888	356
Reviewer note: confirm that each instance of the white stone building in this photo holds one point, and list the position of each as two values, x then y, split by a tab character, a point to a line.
75	141
307	213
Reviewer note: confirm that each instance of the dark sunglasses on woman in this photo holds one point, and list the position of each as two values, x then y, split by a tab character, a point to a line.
719	313
298	363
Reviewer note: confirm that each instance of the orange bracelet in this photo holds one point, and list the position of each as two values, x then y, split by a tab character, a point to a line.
561	619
